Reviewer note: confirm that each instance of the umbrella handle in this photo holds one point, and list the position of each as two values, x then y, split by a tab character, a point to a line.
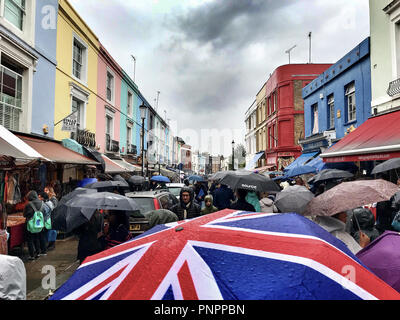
358	225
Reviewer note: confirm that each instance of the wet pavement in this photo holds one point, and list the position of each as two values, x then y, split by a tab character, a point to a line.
62	260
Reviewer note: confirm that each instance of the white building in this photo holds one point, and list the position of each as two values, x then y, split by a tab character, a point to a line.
251	138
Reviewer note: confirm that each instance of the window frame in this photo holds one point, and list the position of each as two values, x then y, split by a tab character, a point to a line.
331	116
130	112
24	14
314	129
350	92
112	74
84	71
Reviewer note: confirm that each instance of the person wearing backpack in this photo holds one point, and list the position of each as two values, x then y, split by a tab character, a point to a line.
35	236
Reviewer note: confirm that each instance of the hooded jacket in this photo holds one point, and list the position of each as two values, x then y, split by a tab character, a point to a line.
210	209
32	198
337	228
192	209
366	221
223	197
161	216
267	206
252	198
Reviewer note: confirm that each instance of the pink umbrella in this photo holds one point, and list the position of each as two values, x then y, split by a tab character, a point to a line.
350	195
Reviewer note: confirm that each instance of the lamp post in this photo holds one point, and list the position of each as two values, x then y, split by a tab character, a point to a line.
233	155
143	110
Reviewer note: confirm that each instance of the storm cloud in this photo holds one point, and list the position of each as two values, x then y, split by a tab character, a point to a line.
209	58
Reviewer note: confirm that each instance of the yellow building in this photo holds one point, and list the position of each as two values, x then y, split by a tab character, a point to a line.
76	74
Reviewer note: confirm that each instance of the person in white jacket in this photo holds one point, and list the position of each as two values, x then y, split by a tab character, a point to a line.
336	226
267	204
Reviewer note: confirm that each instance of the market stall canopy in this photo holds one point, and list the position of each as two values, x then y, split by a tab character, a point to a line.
54	151
252	164
13	146
116	166
376	139
301	160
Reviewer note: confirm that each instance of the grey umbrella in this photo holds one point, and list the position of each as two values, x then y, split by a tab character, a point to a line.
329	174
293	199
249	181
107	184
136	180
387	166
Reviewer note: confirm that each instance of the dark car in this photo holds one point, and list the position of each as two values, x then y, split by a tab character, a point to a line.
149	201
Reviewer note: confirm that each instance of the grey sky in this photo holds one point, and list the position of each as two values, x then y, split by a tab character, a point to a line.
209	58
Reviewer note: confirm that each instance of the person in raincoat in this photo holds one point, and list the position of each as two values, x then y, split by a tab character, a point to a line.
117	230
254	200
366	221
223	197
336	226
209	207
267	204
161	216
186	208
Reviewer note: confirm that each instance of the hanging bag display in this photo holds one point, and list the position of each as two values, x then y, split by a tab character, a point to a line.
396	222
36	223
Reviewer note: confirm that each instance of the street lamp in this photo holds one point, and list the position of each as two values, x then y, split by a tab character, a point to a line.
233	155
143	111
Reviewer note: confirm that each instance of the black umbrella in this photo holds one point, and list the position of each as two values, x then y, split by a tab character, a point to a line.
249	181
219	175
119	178
136	180
387	166
329	174
61	217
107	184
81	208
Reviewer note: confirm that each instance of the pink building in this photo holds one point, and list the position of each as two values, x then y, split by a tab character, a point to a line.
108	103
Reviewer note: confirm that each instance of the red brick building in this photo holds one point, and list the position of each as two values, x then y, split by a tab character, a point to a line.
280	114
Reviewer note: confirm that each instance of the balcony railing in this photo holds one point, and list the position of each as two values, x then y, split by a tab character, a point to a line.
394	88
132	149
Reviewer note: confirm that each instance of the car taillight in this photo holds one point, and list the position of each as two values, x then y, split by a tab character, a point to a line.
156	204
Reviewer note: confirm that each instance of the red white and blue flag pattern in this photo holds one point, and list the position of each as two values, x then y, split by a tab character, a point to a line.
229	255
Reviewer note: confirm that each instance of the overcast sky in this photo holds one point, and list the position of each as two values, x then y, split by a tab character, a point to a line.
209	58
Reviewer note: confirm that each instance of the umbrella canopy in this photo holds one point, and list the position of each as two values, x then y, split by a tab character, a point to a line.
196	178
66	218
249	181
350	195
107	184
219	175
136	180
382	257
293	199
160	179
231	255
102	200
300	170
119	178
86	181
329	174
387	166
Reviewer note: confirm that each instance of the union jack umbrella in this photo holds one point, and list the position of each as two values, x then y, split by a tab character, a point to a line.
228	255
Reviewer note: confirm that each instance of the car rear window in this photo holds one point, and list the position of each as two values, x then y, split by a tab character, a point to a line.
175	191
146	204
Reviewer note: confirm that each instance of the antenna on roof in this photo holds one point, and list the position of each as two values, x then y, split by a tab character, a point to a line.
288	51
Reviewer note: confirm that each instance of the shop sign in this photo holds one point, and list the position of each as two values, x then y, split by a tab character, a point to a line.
70	123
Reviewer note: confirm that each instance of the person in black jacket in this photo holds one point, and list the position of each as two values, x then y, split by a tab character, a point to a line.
241	203
186	208
36	241
223	197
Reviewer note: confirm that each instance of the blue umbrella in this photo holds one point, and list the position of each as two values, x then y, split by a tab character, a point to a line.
231	255
298	171
160	179
196	178
86	181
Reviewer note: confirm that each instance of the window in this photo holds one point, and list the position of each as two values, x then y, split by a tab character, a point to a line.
78	60
351	102
314	118
275	104
14	12
110	87
109	130
78	106
11	98
130	104
331	112
128	137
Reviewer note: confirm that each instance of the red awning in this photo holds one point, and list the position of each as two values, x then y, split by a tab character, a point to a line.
376	139
55	152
